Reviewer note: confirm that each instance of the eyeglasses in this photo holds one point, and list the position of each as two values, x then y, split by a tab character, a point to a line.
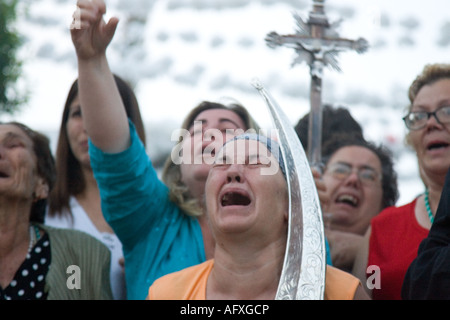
418	119
341	171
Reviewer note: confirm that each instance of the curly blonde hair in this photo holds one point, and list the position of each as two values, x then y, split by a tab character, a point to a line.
430	74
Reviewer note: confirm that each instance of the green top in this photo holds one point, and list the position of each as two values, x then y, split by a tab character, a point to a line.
77	260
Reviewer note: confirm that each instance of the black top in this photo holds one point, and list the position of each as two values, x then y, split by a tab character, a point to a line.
29	280
428	276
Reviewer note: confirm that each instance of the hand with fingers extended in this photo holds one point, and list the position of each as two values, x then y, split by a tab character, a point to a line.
90	33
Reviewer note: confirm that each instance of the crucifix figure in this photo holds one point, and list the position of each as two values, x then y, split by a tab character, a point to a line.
317	43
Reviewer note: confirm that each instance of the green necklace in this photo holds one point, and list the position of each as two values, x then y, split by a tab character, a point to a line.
427	205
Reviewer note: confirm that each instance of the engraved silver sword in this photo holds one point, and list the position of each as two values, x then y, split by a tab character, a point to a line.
303	274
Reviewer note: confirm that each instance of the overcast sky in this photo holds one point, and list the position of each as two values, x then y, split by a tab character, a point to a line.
178	53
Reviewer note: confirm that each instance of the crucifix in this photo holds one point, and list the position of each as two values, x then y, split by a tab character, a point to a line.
316	42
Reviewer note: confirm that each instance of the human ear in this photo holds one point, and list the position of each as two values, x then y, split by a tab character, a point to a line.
41	191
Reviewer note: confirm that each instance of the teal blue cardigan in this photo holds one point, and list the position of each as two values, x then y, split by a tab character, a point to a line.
157	237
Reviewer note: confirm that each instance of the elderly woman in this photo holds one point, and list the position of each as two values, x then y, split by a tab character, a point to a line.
349	200
36	261
247	206
360	182
395	234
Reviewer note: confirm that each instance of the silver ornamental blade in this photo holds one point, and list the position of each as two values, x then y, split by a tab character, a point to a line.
303	274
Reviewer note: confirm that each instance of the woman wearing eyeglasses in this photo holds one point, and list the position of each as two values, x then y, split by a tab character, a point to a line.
360	182
392	241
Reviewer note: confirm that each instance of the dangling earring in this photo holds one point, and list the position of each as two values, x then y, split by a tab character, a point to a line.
43	190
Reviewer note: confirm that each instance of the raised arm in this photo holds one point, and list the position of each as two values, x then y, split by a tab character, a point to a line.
104	115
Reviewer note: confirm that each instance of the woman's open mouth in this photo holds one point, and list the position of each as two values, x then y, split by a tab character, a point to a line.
234	198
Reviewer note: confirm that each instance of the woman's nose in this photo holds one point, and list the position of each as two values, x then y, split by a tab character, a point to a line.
433	121
235	173
352	178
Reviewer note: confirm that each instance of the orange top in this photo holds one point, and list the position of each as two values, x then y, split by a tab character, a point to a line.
190	284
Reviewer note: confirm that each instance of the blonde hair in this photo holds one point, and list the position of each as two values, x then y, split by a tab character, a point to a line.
171	174
429	75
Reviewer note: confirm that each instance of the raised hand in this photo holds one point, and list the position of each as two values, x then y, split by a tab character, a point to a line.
90	34
104	115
